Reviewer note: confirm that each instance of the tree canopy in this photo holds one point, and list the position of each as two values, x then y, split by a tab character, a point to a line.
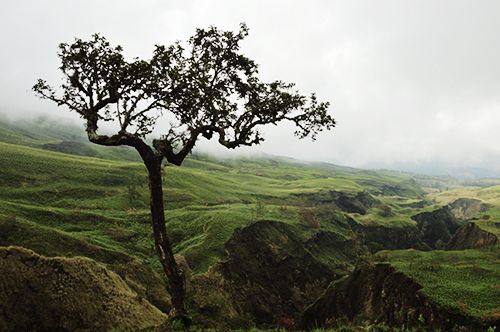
204	87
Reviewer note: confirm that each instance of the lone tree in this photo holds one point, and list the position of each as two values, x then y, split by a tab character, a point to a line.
204	87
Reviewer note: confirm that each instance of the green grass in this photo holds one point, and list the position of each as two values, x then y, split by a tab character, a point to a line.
466	280
206	199
490	195
487	220
63	204
50	134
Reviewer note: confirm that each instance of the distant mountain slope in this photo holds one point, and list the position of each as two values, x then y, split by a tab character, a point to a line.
49	134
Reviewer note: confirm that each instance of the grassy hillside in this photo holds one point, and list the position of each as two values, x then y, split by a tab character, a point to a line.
66	303
465	281
105	202
490	195
65	204
53	135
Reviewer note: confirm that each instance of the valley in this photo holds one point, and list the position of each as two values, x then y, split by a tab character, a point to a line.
267	242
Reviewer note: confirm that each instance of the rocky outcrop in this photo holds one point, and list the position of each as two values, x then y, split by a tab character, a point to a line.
357	202
379	293
404	188
378	237
471	236
467	208
267	280
419	204
39	293
335	250
437	227
353	203
271	274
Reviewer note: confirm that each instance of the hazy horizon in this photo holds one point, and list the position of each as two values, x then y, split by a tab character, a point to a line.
413	85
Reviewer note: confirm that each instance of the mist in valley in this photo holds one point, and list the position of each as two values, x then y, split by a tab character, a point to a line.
413	85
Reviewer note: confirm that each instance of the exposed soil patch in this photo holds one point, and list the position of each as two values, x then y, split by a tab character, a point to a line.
379	293
271	274
467	208
437	227
471	236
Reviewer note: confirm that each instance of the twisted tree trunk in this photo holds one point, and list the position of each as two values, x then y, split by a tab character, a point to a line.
175	275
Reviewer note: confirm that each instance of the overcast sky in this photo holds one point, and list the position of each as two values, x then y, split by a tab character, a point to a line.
411	83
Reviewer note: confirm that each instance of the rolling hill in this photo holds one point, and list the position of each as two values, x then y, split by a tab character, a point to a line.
61	196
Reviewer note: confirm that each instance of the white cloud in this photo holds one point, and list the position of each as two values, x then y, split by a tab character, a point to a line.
411	82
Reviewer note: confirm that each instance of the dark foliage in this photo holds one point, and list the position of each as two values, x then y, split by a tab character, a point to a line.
204	87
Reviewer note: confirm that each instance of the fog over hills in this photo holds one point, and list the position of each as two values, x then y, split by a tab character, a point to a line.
66	135
413	85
